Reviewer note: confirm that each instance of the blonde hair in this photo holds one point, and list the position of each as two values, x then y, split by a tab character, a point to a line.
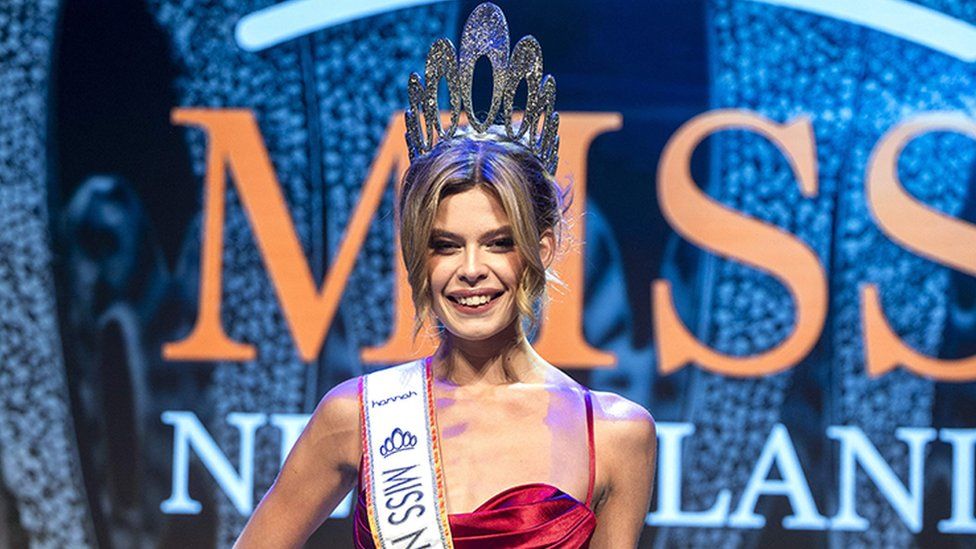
510	172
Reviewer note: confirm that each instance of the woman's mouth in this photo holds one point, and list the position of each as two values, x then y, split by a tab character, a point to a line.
474	303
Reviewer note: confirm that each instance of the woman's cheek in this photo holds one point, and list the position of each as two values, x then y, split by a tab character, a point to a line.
439	275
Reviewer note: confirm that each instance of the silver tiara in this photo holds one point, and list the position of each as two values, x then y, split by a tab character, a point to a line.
485	33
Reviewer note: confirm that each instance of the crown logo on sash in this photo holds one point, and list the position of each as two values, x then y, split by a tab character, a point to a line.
398	441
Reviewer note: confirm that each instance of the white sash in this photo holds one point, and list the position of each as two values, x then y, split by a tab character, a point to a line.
402	475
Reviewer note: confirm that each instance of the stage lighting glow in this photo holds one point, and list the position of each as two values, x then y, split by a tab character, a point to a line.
271	26
899	18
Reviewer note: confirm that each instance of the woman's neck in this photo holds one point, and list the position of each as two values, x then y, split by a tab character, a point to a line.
502	359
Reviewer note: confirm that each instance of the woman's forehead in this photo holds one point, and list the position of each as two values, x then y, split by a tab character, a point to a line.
474	208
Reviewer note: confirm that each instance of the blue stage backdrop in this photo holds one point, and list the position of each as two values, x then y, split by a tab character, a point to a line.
774	251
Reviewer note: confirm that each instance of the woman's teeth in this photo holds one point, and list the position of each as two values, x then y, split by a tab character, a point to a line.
474	301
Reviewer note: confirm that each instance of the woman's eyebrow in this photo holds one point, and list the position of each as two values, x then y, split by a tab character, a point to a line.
501	231
440	233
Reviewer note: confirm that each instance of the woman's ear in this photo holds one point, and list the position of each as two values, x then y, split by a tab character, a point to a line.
547	247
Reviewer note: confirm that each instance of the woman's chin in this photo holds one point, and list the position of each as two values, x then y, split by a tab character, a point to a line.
479	330
473	334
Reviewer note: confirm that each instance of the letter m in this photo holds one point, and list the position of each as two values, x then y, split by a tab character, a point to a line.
397	479
236	143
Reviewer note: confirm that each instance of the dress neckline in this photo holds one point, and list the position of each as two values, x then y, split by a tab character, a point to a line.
485	507
587	397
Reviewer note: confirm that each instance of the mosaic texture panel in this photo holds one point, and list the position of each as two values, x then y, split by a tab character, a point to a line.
37	444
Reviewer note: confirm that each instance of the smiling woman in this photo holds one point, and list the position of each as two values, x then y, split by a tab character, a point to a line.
483	444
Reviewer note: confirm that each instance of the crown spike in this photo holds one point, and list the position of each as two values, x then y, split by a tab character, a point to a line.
417	139
546	107
485	34
442	63
525	64
412	135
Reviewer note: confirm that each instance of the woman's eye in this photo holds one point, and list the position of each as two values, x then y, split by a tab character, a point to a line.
504	243
441	246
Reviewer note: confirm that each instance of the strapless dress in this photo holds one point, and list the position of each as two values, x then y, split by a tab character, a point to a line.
529	515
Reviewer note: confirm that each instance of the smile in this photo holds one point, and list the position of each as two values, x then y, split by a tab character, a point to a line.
472	303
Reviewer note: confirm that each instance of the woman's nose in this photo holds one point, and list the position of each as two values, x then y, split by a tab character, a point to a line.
474	268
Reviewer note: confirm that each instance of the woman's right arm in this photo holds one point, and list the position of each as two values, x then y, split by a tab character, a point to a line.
320	470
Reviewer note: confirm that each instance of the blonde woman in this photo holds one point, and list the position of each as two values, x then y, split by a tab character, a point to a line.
483	444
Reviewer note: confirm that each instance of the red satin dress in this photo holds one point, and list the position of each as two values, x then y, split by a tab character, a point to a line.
522	517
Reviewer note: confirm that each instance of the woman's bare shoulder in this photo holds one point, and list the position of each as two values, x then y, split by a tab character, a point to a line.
626	455
336	422
340	404
622	421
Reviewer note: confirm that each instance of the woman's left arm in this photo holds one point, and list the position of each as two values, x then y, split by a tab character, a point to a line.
626	450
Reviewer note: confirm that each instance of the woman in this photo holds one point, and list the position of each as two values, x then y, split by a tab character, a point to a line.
484	444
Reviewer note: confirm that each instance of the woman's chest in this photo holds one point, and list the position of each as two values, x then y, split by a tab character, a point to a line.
488	447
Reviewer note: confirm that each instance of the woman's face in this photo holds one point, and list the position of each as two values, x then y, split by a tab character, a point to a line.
474	266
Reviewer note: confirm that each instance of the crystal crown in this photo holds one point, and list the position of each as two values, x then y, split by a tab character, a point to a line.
485	34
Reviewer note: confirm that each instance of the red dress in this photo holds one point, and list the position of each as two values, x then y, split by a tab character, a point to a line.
521	517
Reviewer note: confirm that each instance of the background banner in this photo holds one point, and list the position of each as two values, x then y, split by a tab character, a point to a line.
773	249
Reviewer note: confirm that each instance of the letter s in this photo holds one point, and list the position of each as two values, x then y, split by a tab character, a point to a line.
403	499
721	230
406	514
921	229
